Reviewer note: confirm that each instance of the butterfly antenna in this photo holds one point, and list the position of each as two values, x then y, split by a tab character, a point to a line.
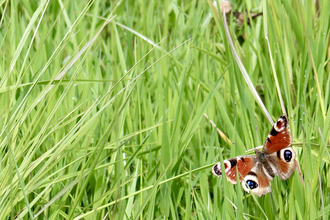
254	149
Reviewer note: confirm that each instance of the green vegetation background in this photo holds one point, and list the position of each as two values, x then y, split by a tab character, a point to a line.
102	107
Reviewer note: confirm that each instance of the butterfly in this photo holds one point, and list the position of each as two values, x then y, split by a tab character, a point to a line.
256	171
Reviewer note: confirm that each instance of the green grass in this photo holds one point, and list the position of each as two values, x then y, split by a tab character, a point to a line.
102	108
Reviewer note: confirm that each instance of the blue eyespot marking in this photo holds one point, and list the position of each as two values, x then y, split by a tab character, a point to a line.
252	184
287	155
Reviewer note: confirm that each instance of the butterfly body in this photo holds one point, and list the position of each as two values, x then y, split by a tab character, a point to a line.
256	171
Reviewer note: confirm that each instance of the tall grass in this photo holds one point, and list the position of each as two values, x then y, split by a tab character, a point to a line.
102	108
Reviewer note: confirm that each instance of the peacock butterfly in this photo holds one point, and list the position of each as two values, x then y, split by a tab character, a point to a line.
276	158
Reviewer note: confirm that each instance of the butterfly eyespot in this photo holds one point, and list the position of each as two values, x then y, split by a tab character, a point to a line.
216	170
287	155
252	184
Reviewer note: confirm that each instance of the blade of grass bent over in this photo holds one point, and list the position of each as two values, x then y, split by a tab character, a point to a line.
243	70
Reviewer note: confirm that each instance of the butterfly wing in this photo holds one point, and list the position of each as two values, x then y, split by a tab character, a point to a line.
244	165
257	180
279	136
278	150
250	170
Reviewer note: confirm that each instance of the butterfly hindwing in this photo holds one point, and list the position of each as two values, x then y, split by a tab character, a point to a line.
257	180
283	162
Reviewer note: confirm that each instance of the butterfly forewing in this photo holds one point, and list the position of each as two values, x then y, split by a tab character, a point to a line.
279	136
243	164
